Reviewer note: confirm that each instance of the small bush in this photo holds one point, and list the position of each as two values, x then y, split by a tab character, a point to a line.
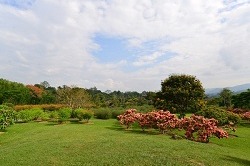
25	116
37	113
82	114
7	116
64	114
45	116
53	115
103	113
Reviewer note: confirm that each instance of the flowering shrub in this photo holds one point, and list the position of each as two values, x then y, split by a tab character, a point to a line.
159	120
246	115
203	127
197	128
156	119
129	117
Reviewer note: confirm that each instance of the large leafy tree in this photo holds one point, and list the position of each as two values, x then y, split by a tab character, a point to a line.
242	100
73	97
226	97
181	94
13	92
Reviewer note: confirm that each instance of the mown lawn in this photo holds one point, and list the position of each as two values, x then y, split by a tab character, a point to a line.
105	142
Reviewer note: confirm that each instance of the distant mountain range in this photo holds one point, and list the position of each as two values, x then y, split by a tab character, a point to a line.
235	89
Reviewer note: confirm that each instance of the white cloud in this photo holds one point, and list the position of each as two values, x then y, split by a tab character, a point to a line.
53	41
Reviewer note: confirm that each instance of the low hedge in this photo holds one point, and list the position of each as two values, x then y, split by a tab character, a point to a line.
45	107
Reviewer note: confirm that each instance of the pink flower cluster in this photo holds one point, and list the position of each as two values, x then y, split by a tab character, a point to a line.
197	126
246	115
128	118
203	128
162	120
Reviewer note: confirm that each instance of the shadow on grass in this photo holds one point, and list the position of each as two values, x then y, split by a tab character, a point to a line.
245	124
237	160
134	129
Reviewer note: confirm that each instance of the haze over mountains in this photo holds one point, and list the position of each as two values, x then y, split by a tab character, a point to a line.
235	89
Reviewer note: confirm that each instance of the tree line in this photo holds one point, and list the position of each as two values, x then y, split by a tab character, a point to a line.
179	94
72	96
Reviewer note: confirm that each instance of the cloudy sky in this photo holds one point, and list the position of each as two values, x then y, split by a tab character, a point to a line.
127	45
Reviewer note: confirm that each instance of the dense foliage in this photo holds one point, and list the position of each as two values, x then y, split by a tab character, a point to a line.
181	94
226	97
71	96
242	100
13	92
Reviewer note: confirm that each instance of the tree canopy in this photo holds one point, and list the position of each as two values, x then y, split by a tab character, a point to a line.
180	94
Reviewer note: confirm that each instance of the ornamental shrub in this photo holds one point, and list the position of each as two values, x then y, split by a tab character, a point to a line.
7	116
82	114
197	128
103	113
200	129
64	114
129	117
246	115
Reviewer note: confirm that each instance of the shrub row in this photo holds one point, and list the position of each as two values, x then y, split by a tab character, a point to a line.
61	115
196	128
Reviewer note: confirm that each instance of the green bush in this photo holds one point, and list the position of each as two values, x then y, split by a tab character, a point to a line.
53	115
37	113
45	116
102	113
82	114
64	114
224	117
25	116
117	112
7	116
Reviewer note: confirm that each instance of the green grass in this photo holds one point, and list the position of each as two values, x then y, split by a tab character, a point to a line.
105	142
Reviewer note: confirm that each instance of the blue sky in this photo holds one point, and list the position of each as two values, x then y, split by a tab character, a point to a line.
124	45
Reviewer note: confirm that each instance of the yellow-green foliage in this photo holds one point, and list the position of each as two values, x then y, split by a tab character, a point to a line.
48	107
